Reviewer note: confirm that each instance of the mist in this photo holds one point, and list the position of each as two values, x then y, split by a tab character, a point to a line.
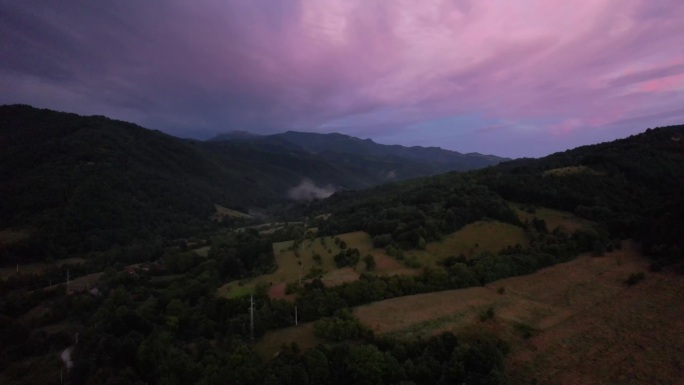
308	191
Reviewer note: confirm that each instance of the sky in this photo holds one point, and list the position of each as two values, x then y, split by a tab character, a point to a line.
510	78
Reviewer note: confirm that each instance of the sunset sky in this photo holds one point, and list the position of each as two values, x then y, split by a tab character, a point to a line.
511	78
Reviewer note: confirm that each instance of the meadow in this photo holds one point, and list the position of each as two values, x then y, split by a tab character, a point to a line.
300	263
573	323
566	221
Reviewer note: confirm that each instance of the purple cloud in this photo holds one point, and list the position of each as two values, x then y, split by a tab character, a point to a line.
511	78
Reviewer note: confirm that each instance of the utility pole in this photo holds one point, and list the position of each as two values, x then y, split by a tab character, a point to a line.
301	262
251	316
296	319
67	285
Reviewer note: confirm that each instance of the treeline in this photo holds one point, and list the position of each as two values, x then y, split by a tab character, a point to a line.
410	214
436	360
149	329
180	333
633	187
315	300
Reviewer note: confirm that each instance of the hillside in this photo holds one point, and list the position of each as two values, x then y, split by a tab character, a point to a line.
75	184
364	156
632	187
455	278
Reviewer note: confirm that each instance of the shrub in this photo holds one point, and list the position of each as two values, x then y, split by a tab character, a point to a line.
635	278
487	314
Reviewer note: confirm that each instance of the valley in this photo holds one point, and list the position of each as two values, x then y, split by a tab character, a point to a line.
191	262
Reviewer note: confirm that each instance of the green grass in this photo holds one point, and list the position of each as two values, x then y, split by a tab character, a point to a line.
295	263
202	251
235	290
568	222
564	171
476	238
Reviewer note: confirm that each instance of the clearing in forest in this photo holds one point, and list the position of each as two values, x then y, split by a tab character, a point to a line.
271	343
568	222
223	212
573	323
571	170
478	237
302	262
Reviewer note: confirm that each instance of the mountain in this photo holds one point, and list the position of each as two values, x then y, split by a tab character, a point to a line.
390	162
632	187
75	184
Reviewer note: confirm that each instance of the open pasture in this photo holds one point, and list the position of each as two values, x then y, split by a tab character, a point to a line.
571	170
269	345
478	237
567	222
298	263
573	323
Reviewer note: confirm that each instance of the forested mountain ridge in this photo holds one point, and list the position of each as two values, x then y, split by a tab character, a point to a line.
80	184
393	162
198	310
632	187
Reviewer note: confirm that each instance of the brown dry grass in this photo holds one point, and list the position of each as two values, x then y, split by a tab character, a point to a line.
592	328
405	312
269	345
615	334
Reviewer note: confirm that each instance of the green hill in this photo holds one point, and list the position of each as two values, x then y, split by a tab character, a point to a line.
632	187
76	184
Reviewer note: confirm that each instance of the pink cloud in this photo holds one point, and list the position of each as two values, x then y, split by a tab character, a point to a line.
369	66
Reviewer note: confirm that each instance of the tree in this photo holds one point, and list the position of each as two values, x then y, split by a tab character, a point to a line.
370	262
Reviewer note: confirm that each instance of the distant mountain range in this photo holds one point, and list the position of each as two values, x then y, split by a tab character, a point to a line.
384	161
79	183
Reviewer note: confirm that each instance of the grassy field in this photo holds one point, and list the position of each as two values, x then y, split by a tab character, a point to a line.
573	323
541	300
554	218
271	342
478	237
564	171
202	251
293	264
222	212
471	240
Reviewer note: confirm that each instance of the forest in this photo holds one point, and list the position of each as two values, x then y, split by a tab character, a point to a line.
156	317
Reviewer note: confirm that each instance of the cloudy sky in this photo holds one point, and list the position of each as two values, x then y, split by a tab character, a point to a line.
512	78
